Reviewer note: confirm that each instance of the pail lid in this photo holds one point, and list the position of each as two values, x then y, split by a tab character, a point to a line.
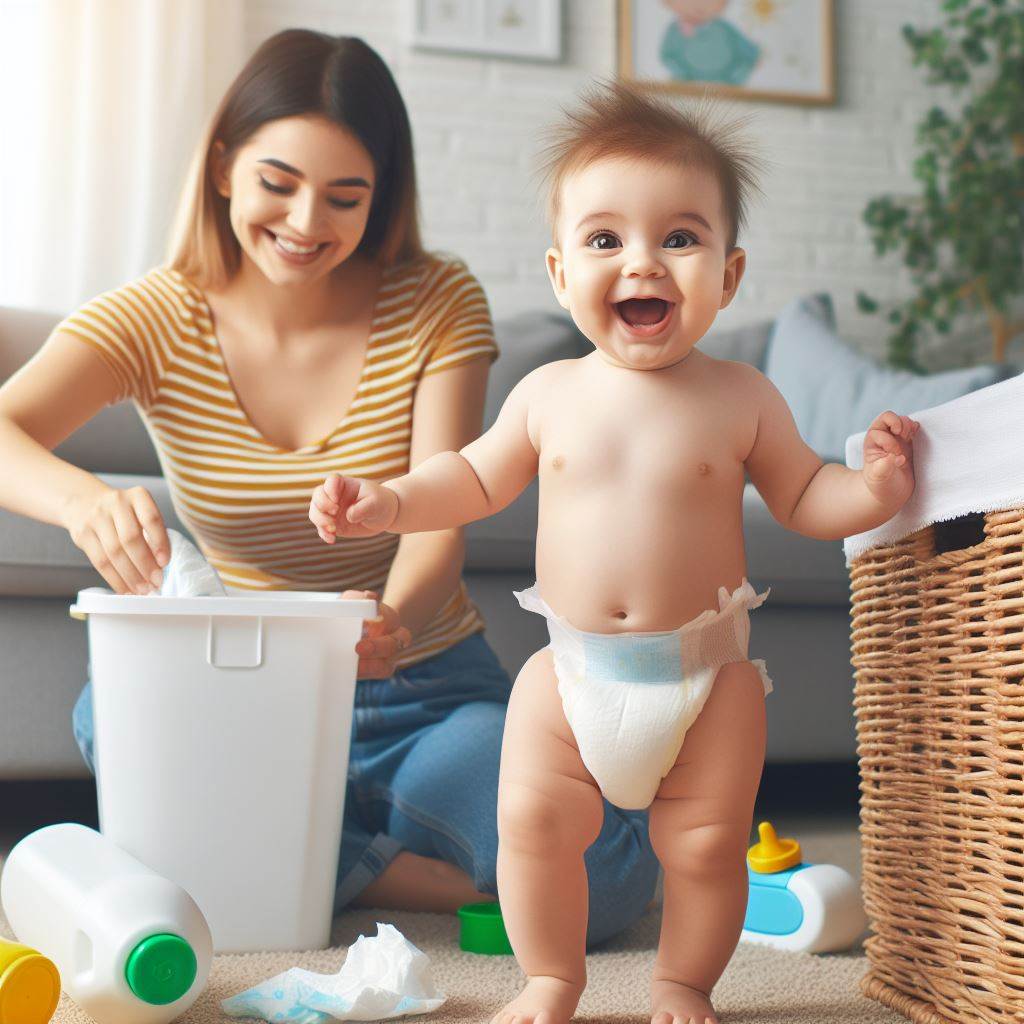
29	990
161	969
289	604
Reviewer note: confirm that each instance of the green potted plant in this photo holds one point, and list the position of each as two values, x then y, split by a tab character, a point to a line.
962	238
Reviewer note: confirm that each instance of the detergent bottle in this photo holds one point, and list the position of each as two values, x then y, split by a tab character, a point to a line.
29	985
131	946
815	908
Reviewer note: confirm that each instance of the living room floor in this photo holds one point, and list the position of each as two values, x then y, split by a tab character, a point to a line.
815	803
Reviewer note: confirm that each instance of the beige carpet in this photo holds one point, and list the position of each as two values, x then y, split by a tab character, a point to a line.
760	985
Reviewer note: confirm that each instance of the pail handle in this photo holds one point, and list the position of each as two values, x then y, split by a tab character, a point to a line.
234	641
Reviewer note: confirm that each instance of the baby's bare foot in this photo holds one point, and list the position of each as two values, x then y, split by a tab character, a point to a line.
543	1001
673	1003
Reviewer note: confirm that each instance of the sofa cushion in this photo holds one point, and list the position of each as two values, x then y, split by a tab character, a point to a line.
835	391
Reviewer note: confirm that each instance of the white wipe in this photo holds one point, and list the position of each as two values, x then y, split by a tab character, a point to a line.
384	976
188	573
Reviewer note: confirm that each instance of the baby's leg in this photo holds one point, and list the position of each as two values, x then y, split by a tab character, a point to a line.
549	812
700	827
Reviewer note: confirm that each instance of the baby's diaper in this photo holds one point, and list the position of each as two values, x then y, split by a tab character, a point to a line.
630	698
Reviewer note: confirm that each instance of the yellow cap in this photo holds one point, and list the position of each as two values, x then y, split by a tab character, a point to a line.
29	990
772	854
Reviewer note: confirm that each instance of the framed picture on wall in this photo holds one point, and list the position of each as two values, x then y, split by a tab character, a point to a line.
778	50
528	29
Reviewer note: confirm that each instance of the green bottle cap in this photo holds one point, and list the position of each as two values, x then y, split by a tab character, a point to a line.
483	929
161	969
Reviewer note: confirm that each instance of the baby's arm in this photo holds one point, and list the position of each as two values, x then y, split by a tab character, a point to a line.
827	500
446	490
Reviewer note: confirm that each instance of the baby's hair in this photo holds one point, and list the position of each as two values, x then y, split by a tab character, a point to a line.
616	120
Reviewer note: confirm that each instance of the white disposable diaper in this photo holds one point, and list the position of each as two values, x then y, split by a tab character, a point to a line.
629	698
188	573
383	976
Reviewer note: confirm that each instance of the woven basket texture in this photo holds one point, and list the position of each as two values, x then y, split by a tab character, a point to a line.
938	656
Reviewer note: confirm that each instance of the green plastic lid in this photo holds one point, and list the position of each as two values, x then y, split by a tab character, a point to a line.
161	969
483	930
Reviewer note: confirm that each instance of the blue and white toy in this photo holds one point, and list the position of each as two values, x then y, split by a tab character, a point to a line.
813	908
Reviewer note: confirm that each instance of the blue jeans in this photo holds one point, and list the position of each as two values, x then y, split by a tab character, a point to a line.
423	777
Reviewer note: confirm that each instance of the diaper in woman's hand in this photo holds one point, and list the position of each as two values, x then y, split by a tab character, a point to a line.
188	573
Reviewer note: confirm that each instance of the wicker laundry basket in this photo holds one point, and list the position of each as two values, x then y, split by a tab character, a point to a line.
938	629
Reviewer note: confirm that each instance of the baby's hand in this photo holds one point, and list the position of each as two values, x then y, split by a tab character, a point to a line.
889	457
344	506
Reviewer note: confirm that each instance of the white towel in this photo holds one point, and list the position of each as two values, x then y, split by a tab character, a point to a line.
968	457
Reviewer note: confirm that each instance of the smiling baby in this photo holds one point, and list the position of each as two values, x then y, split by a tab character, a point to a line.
645	695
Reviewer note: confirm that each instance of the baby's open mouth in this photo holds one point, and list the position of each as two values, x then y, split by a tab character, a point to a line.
644	315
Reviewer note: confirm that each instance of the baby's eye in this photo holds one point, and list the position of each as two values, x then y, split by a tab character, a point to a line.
680	240
602	240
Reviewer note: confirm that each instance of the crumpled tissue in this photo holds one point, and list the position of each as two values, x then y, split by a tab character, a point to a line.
383	976
188	573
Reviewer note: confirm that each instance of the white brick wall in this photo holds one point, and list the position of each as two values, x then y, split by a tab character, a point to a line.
476	123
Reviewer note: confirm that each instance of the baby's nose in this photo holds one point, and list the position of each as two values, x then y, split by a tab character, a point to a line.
642	263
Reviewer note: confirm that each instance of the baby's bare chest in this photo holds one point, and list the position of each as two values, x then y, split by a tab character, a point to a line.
663	448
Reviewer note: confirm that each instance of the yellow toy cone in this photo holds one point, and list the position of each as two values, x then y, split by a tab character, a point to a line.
772	854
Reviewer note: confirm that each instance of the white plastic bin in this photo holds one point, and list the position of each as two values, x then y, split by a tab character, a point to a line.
222	738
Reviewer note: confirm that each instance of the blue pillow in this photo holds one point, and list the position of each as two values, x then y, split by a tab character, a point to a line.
835	391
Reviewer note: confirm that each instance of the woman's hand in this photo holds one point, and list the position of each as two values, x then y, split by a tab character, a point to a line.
345	506
383	639
123	534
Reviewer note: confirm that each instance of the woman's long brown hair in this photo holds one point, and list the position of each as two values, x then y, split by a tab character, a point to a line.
294	73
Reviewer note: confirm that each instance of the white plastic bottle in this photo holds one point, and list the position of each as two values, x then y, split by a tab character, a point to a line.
131	946
815	908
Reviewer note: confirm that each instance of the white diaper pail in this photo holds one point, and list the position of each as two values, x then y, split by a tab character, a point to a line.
222	737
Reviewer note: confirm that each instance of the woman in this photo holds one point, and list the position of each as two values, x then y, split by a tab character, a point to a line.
299	328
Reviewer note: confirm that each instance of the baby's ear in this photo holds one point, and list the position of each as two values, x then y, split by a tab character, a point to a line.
556	275
735	264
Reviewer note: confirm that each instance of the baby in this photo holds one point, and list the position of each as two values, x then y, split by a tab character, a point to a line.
641	448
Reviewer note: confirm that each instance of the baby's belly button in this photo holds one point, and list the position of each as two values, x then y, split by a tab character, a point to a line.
639	592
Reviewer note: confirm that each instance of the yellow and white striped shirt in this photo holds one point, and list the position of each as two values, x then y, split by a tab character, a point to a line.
244	499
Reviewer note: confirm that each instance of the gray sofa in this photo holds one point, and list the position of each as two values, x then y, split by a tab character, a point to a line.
802	631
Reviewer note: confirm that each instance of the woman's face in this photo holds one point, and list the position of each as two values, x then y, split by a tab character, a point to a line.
300	191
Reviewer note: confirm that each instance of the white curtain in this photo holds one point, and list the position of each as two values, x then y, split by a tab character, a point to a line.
102	103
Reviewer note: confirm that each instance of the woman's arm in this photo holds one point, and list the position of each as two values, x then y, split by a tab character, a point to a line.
447	415
62	387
